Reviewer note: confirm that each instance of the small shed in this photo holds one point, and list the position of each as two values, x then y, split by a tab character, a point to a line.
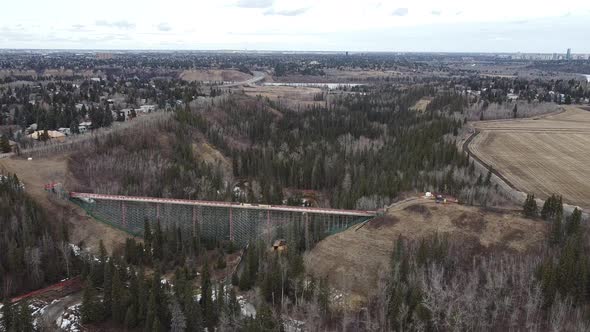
279	245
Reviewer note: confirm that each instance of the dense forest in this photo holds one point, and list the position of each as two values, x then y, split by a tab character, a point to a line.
361	151
33	254
432	283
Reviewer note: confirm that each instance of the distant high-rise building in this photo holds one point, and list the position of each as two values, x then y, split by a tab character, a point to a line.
568	55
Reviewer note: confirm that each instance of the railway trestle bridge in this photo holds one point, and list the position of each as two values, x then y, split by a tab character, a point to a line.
210	220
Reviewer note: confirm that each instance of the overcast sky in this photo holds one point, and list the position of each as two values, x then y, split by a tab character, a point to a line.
304	25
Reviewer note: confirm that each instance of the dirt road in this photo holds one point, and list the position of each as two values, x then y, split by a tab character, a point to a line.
53	312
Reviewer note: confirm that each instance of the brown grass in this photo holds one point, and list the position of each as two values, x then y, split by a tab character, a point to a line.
543	156
82	228
353	259
286	95
214	75
421	104
210	155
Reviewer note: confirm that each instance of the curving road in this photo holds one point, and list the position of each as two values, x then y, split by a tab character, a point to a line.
258	76
53	311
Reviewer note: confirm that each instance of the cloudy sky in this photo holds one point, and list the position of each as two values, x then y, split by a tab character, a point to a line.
305	25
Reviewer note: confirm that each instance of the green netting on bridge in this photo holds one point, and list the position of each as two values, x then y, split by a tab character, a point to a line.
239	225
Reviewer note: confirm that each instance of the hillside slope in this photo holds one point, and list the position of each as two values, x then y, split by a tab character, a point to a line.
352	260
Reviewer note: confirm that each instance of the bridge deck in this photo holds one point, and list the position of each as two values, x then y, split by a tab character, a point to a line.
283	208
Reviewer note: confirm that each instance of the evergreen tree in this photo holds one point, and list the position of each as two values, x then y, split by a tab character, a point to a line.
4	144
7	315
91	309
192	311
25	318
233	305
142	297
157	326
573	224
324	297
157	242
178	321
107	288
488	180
265	320
530	206
152	312
514	111
131	317
556	231
206	301
118	306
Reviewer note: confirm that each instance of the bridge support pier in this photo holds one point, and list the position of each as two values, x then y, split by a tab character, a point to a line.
269	230
157	212
194	221
124	214
231	225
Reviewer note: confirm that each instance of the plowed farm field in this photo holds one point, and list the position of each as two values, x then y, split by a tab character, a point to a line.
542	156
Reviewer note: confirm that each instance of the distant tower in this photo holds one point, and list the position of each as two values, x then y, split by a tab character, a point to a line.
568	56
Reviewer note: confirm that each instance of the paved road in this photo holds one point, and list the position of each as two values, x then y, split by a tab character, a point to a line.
54	310
258	76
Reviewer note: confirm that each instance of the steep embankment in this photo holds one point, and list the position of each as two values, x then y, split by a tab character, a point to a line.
35	174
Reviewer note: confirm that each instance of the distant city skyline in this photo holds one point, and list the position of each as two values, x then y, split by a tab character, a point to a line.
305	25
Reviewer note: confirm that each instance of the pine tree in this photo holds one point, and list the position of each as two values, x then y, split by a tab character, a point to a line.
233	305
107	288
157	326
573	224
91	309
142	297
4	144
152	312
131	317
117	295
324	297
265	320
25	318
530	206
206	301
157	242
220	298
488	180
514	111
192	311
7	315
178	321
556	232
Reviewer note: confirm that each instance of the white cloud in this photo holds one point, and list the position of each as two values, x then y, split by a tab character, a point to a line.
400	12
286	12
298	25
254	3
116	24
164	27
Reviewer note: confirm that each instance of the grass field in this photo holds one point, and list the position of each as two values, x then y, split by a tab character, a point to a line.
542	156
353	260
214	75
81	227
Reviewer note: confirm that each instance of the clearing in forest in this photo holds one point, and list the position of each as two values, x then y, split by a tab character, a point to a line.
542	156
214	75
421	104
354	259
